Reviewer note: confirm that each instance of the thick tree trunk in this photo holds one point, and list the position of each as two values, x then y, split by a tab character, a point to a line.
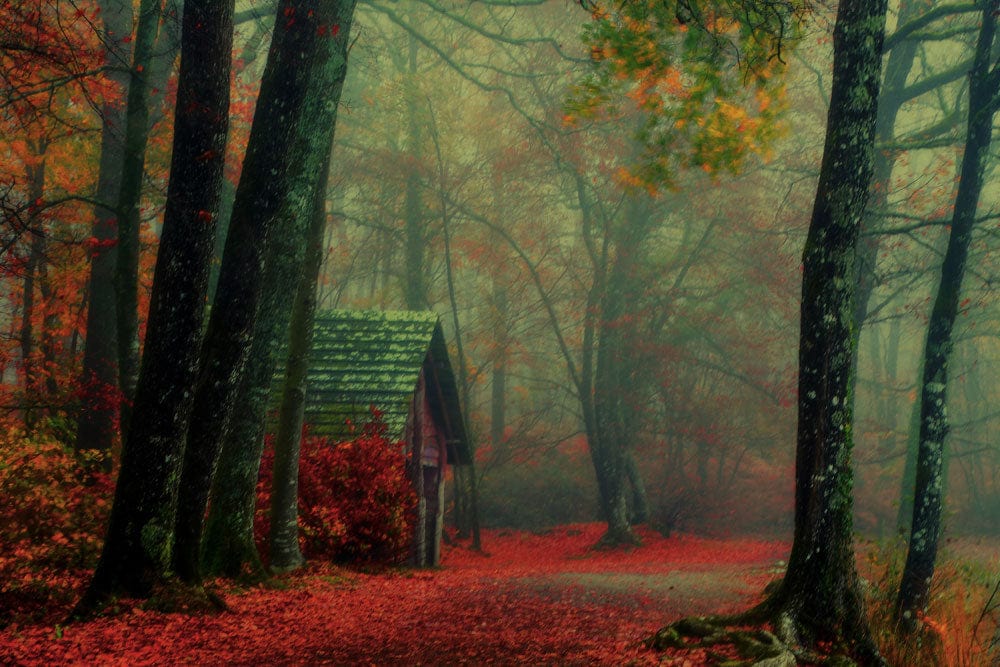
615	375
229	547
285	554
640	501
291	134
984	86
99	376
819	598
136	554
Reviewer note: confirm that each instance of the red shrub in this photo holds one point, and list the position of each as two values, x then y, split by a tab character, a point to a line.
53	514
356	502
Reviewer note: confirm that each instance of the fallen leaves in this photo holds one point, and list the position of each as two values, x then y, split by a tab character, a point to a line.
535	599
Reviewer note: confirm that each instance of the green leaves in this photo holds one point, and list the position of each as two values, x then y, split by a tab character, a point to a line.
705	81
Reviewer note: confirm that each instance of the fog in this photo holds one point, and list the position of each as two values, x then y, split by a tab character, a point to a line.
454	126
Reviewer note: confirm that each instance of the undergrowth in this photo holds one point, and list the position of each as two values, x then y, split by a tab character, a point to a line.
961	626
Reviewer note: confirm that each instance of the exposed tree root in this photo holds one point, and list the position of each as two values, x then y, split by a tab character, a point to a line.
174	596
769	635
168	596
616	539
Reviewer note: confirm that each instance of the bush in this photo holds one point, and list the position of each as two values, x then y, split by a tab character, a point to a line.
356	501
960	627
53	515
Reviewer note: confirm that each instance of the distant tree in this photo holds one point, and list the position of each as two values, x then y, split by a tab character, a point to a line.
984	100
136	554
99	376
129	198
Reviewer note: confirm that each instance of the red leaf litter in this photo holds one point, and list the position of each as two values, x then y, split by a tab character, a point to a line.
533	599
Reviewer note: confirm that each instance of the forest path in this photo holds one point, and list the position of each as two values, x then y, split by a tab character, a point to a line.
535	599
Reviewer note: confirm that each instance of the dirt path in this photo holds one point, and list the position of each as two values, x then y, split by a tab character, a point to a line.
536	599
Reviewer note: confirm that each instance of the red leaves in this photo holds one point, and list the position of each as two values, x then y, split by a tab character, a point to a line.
52	518
356	501
333	30
538	599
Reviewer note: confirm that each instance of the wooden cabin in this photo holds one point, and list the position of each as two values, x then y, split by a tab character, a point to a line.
396	361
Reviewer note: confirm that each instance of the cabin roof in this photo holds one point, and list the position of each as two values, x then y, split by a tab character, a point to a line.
362	358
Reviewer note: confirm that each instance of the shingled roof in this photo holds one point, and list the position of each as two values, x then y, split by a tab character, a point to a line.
365	358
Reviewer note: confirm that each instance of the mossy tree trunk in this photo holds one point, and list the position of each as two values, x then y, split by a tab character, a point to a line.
284	538
819	598
984	97
136	553
229	547
289	141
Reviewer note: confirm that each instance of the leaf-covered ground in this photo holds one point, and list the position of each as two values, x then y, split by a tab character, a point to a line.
535	599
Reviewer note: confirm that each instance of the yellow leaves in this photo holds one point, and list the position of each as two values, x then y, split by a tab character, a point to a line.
763	101
627	180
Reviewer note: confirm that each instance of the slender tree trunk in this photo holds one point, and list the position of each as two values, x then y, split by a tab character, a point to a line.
34	278
26	335
96	419
640	501
463	371
136	554
984	86
414	236
129	200
498	387
291	134
819	598
49	387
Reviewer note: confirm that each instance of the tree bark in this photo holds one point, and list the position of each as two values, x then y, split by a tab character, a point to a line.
984	87
129	198
291	134
96	419
819	598
136	554
284	545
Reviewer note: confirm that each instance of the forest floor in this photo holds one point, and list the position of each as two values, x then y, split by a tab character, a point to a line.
531	599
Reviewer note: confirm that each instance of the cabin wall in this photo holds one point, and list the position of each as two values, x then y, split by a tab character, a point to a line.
428	456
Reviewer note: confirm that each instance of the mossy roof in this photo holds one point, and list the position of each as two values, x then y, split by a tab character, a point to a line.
364	358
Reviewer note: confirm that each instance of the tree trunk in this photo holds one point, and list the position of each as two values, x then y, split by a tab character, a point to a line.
819	598
291	134
285	554
96	419
471	492
984	85
129	199
414	235
229	547
891	99
640	501
136	554
34	268
615	373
